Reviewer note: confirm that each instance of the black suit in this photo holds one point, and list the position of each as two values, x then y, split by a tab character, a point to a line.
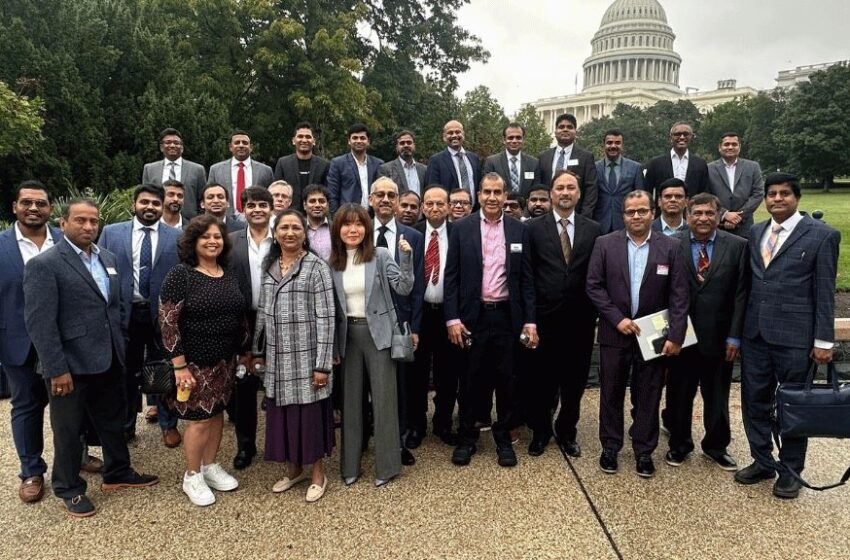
286	169
717	312
498	163
585	168
566	322
660	168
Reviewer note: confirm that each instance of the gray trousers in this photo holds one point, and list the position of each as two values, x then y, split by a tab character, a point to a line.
360	351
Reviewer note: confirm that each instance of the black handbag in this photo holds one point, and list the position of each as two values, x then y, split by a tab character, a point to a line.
158	378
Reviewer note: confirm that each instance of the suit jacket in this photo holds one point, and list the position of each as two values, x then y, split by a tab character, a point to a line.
261	176
792	302
441	171
383	277
118	239
657	226
608	285
15	343
585	168
74	329
344	179
394	170
660	168
558	286
409	306
235	223
286	169
718	303
498	163
464	271
192	175
239	263
609	204
747	194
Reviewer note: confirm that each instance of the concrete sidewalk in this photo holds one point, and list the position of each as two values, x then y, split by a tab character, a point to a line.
545	507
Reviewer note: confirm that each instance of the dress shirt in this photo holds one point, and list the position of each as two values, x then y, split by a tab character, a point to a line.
680	164
571	226
234	172
354	286
320	239
94	266
256	256
638	255
363	171
668	230
411	176
518	157
392	229
434	292
730	174
618	168
471	175
568	152
138	238
29	249
494	277
166	169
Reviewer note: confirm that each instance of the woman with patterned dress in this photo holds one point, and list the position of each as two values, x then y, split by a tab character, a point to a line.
203	322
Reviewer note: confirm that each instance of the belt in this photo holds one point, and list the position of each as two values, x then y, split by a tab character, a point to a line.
357	320
494	304
429	305
142	304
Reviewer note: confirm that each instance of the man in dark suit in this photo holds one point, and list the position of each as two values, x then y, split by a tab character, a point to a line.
679	163
191	175
634	273
250	248
673	199
454	167
406	172
560	244
517	169
145	250
789	321
240	171
303	167
718	277
615	175
489	303
350	175
74	316
738	183
216	201
566	155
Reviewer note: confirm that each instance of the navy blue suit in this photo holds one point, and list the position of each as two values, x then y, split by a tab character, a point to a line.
18	357
441	171
343	180
609	203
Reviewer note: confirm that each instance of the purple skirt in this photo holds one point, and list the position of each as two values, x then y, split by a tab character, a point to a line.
299	433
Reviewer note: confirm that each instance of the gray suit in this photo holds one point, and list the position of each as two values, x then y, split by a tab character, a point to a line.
498	163
394	170
746	196
261	176
192	175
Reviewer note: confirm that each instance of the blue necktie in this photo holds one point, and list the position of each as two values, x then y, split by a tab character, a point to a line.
145	265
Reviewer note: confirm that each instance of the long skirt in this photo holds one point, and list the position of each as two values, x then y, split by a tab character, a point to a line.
299	433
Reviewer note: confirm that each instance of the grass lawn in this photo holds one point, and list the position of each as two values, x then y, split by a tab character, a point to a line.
836	212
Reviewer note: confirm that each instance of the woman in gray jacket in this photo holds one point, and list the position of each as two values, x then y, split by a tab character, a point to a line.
363	277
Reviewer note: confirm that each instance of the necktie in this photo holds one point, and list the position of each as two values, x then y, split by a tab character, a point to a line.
465	183
145	264
432	258
566	246
561	157
703	262
172	174
514	175
382	237
767	252
240	185
612	176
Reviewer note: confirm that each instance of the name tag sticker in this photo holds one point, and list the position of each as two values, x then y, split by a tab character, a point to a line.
572	162
528	174
662	270
516	247
111	271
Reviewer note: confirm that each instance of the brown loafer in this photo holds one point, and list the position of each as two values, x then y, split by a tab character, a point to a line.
93	465
171	438
151	415
32	489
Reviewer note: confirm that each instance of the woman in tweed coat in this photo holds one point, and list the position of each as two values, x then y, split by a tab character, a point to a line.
295	332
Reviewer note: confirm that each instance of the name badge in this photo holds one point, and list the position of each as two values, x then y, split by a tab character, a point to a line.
662	270
516	247
572	162
111	271
528	174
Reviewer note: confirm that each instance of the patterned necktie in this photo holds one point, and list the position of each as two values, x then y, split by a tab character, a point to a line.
240	185
145	264
612	176
465	183
703	262
382	237
514	175
432	258
172	174
561	159
566	246
767	252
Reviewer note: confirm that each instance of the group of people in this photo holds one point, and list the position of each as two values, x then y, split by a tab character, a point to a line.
298	280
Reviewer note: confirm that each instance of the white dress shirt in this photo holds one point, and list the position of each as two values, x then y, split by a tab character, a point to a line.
166	169
256	256
363	171
456	162
234	172
138	237
680	164
571	226
29	249
392	229
434	292
730	174
568	152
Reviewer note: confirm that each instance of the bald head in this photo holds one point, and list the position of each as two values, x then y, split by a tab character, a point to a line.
453	135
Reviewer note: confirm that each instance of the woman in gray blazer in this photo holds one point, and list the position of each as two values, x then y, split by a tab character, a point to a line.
295	334
363	276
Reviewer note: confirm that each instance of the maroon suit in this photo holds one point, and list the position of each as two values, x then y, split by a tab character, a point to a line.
608	286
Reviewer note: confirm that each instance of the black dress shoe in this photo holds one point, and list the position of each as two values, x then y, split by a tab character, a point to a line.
462	454
786	487
675	458
130	480
413	440
723	460
608	461
536	447
79	506
644	465
754	474
447	437
506	456
243	460
407	457
571	448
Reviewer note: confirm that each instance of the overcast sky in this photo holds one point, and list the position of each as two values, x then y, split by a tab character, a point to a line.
537	47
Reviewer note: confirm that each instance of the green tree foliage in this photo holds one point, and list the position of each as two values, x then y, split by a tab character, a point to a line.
483	120
20	122
537	138
760	139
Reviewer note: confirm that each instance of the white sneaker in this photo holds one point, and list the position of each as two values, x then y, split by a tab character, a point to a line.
217	479
196	488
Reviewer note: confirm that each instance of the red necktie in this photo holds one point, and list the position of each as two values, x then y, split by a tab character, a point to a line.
240	185
432	258
702	262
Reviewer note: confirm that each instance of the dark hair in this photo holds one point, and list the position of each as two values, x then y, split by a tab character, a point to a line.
411	193
170	132
346	213
313	189
403	132
537	187
66	212
196	228
672	183
518	197
172	183
460	190
613	132
782	178
303	124
276	251
436	186
358	127
149	188
704	198
256	194
33	185
638	193
513	125
211	185
237	132
566	117
560	172
730	134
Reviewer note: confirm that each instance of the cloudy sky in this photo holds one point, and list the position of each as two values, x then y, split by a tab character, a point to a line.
538	46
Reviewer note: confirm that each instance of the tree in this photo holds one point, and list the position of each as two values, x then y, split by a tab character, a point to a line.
732	116
765	110
483	120
537	138
20	122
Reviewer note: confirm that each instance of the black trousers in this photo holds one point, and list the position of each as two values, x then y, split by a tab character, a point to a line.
490	368
567	341
713	376
242	407
100	398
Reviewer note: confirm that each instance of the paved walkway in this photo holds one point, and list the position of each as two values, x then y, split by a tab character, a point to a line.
545	507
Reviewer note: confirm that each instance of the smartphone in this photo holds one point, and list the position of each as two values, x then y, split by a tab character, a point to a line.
467	339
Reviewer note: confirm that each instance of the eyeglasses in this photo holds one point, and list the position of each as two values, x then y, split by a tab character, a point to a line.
640	212
460	203
26	203
386	194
